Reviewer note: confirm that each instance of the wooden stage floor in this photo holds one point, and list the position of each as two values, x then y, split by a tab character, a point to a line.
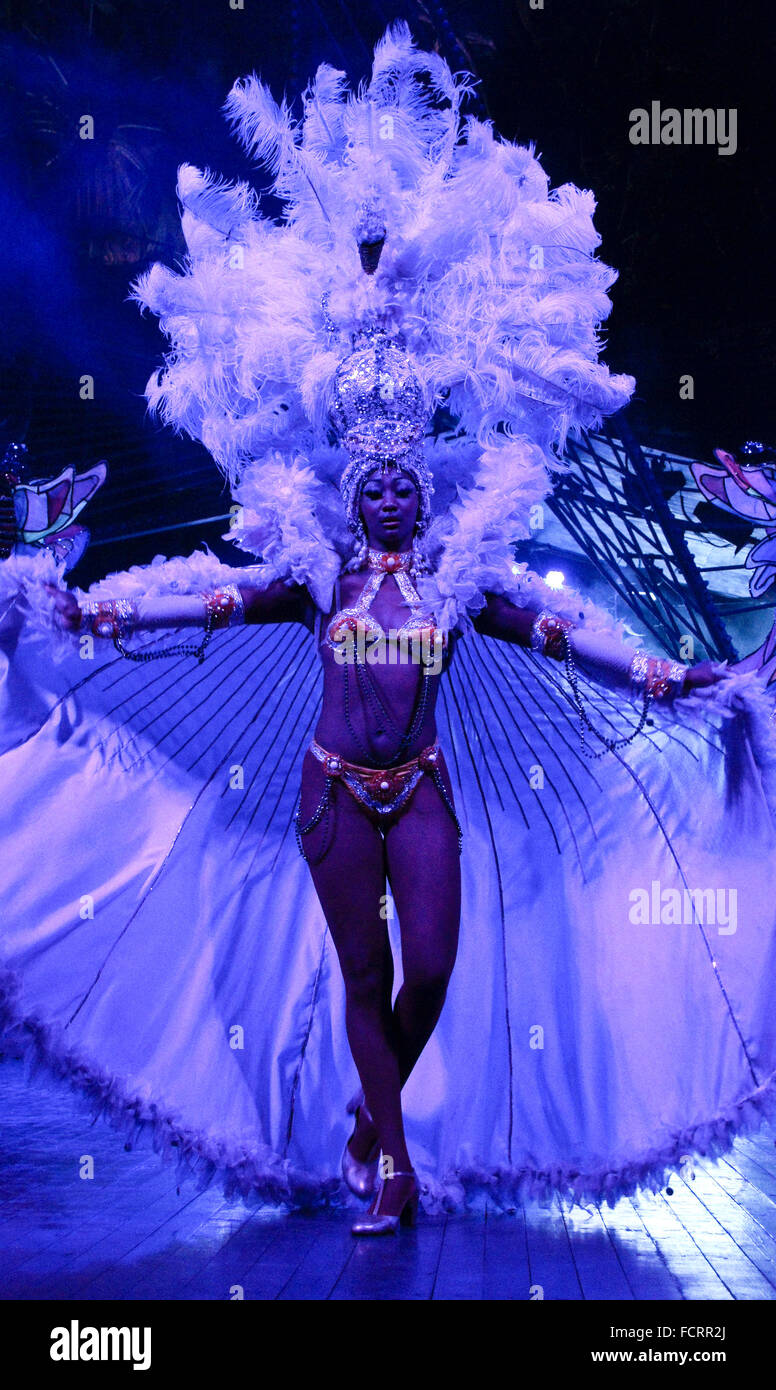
127	1234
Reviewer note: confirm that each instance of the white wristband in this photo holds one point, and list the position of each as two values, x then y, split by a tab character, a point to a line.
602	654
171	610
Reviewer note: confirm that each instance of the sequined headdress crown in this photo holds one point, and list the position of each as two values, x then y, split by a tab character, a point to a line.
379	410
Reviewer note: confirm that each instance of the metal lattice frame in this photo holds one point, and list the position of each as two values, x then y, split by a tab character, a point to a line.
614	507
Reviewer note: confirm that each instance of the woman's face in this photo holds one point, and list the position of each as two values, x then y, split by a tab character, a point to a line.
389	509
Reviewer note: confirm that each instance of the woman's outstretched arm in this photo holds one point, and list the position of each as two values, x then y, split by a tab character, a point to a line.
279	602
598	653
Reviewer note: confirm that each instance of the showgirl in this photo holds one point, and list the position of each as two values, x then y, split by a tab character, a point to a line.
387	378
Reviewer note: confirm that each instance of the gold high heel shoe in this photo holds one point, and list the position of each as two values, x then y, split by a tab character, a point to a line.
360	1177
373	1223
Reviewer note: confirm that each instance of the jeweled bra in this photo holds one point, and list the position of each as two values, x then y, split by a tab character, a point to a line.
357	615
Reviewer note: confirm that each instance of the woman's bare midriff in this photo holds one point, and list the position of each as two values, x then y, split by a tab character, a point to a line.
372	736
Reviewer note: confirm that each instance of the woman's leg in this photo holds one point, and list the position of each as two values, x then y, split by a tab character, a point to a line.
425	876
350	883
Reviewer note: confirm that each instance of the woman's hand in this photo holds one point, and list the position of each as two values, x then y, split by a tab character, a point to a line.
67	608
703	674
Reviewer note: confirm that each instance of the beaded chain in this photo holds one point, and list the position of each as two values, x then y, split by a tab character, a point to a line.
550	636
439	784
366	685
322	809
369	690
117	617
610	744
178	649
380	564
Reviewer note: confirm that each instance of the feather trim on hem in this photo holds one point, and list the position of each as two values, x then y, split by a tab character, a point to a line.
243	1173
507	1187
260	1174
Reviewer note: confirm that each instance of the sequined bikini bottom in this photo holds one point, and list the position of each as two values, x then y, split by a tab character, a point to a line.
381	789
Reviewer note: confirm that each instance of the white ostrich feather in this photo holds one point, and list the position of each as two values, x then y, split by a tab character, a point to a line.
323	99
277	519
214	210
263	127
490	276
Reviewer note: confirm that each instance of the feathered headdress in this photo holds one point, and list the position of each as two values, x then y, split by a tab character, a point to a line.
407	230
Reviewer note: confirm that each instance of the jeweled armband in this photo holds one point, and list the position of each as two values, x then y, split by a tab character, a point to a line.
547	634
109	617
117	617
224	607
657	676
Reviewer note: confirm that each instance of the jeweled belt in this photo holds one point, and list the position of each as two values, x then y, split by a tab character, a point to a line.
383	789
